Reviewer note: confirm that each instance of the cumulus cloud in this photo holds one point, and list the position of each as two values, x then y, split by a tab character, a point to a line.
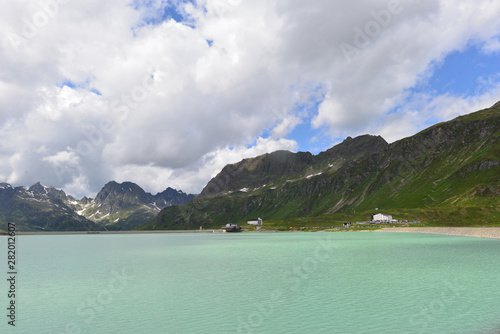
425	110
93	91
190	178
396	57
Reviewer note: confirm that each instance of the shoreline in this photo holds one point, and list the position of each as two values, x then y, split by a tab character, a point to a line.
19	233
112	232
474	232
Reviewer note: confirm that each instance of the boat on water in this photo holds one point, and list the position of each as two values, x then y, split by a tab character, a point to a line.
232	228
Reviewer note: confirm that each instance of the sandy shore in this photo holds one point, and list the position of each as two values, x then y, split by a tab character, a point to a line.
477	232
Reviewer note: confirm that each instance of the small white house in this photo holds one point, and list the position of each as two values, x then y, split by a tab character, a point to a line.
257	222
381	217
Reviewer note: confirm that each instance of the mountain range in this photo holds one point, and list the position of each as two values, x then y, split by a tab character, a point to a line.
118	206
447	174
125	206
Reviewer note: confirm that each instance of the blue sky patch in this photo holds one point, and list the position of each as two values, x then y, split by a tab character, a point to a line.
67	82
463	73
82	85
171	9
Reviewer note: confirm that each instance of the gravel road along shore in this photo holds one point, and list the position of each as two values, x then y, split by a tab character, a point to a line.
478	232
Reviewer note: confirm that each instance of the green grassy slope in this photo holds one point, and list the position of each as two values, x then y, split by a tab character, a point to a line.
447	174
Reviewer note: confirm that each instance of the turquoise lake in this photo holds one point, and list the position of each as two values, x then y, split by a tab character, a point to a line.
254	283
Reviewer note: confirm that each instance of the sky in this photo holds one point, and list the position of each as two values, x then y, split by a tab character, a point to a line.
165	93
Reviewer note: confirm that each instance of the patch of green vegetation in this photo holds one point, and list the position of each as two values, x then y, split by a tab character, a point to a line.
444	216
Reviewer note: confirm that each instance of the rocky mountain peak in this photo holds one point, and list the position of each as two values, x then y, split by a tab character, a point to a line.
86	200
50	192
115	194
5	186
170	197
38	188
351	147
267	168
255	172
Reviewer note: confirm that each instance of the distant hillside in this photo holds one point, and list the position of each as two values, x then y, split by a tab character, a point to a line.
450	171
41	208
116	207
124	206
273	167
170	197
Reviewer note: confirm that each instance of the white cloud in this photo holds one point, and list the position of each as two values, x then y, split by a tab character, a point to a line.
171	103
286	126
189	179
331	113
62	158
425	110
404	52
492	46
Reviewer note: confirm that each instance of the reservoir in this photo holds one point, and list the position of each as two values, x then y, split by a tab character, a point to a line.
254	283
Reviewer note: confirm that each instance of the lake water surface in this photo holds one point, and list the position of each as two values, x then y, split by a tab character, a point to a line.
254	283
